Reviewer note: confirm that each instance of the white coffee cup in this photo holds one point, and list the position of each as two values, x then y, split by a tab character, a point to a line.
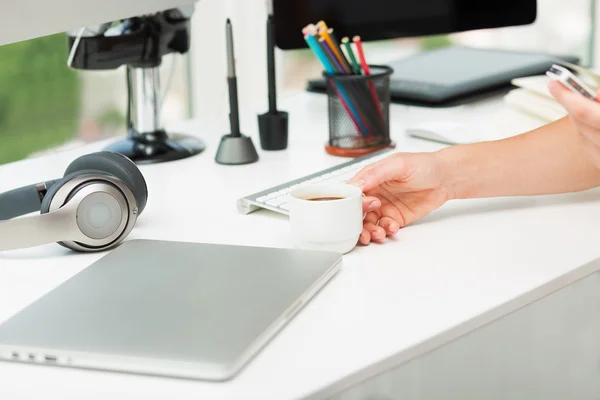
329	225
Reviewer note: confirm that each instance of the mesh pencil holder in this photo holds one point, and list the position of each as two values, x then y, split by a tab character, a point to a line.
359	109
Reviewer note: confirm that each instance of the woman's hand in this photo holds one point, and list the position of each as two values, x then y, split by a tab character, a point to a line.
399	190
585	114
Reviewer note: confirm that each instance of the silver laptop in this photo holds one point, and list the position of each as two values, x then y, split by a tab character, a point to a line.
186	310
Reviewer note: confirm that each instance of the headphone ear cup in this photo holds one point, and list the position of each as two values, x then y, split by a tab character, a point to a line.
117	165
45	207
109	226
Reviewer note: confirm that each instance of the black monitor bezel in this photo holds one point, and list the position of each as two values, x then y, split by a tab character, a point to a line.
288	29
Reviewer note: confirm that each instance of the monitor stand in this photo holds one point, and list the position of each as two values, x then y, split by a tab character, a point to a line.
146	141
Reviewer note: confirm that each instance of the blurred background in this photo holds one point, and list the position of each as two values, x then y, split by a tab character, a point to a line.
45	106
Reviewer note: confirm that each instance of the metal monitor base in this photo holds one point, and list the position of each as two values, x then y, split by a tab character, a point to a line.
147	142
170	148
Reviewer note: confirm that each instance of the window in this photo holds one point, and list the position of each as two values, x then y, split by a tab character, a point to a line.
45	106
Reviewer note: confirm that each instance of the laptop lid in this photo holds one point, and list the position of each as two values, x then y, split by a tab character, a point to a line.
187	310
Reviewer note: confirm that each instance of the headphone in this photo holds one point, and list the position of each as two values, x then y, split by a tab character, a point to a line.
92	208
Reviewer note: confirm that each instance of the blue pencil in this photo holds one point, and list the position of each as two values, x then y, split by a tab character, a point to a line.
331	57
312	43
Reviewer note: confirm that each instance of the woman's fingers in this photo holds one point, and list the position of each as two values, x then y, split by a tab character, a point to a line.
371	217
390	226
585	115
365	237
377	233
376	228
392	212
578	107
370	204
382	171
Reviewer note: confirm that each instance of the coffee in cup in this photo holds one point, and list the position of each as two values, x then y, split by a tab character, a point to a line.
325	198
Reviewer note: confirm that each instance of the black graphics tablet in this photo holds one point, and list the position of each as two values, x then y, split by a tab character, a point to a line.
455	74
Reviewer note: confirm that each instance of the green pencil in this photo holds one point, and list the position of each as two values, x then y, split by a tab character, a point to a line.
355	65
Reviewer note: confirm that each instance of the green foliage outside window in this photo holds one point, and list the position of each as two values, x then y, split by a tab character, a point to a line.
435	42
39	97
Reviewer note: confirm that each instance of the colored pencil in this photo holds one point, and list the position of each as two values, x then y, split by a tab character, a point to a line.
339	49
367	70
357	90
325	34
341	93
335	61
322	25
361	55
348	46
354	95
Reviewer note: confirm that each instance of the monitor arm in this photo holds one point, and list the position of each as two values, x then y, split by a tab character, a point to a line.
139	43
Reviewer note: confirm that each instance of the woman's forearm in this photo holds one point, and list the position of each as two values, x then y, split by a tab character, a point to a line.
544	161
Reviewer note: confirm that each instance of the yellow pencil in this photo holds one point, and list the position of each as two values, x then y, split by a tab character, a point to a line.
322	25
326	34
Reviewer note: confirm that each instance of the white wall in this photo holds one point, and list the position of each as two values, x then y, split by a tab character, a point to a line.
208	58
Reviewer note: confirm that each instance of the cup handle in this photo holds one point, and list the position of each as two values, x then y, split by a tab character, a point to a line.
364	215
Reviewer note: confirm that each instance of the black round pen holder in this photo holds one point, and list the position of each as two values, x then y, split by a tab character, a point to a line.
359	110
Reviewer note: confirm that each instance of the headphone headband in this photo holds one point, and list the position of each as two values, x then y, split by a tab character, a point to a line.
23	200
72	224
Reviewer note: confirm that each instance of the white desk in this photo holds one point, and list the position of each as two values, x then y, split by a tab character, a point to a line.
459	262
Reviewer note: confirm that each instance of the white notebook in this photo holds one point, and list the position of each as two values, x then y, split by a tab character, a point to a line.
535	104
533	97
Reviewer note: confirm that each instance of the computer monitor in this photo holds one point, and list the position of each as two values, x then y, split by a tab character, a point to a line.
28	19
389	19
441	77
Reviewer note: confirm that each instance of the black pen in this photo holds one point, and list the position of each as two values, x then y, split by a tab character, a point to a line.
234	117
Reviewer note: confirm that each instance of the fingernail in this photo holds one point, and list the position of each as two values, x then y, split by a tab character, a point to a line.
363	238
374	204
359	183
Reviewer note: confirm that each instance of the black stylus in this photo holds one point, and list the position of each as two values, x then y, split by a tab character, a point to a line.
273	126
271	65
235	148
234	116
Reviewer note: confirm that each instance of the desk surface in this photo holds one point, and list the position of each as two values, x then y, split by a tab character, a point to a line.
461	261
